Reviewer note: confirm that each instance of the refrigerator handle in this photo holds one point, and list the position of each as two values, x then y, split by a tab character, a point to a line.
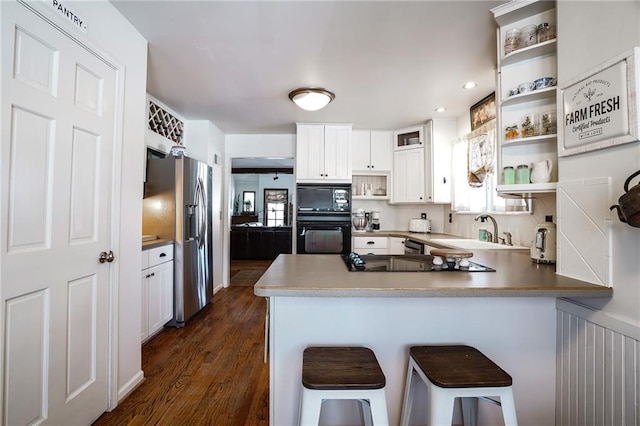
202	216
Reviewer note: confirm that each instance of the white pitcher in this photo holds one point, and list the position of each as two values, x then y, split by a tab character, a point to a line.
541	171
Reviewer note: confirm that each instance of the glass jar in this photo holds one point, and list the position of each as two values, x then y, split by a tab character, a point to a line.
528	35
508	175
511	132
546	32
522	174
548	123
530	125
511	41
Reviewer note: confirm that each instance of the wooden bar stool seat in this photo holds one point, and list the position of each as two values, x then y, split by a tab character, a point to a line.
342	373
457	371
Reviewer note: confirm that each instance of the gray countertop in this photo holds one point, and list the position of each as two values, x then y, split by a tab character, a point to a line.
515	276
146	245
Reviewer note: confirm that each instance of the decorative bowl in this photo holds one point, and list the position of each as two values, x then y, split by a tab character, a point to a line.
544	82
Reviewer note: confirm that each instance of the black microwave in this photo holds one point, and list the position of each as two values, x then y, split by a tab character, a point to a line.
322	198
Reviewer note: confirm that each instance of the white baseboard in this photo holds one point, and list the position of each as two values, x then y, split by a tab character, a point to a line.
130	386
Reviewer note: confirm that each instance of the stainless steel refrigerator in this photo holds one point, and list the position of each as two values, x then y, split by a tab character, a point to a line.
177	206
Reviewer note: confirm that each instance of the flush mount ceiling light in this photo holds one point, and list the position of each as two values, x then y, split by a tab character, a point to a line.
470	85
311	98
441	109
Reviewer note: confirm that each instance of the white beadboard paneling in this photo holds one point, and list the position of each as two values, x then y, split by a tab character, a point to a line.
598	373
584	237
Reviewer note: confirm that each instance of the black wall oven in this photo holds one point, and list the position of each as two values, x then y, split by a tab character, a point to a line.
323	224
329	235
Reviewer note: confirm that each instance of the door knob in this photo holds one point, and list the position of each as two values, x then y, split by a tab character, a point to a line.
106	257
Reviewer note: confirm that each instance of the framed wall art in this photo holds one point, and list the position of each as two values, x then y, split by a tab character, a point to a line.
483	111
600	107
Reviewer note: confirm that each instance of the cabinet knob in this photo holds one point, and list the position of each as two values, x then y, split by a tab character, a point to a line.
444	179
372	166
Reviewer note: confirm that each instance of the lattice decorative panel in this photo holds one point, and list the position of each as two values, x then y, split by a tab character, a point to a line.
165	124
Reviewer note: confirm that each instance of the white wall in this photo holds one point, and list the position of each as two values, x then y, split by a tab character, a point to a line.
396	216
580	48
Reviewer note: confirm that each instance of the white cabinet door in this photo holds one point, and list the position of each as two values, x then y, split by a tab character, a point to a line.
144	325
440	134
310	151
360	150
157	289
166	296
408	176
161	278
396	245
323	153
381	150
337	152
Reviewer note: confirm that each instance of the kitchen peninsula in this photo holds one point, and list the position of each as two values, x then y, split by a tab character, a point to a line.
509	314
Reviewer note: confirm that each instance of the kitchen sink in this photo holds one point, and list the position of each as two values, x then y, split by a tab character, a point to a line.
468	244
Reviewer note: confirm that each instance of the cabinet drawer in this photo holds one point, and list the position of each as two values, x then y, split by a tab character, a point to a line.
370	243
160	255
372	251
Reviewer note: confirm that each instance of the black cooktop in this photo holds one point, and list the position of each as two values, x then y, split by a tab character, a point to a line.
405	263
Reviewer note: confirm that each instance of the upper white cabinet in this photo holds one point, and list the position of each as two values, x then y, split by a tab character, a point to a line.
408	138
371	151
526	116
409	176
323	153
422	162
440	134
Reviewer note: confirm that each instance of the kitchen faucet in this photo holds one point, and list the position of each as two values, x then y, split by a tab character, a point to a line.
494	236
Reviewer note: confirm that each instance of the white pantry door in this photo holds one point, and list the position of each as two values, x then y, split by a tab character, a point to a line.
57	141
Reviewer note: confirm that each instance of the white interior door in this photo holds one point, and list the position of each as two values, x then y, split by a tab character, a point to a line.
57	143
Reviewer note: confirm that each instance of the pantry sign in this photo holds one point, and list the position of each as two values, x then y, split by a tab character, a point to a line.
599	109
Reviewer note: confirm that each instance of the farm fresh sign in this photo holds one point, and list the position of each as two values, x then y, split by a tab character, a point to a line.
596	108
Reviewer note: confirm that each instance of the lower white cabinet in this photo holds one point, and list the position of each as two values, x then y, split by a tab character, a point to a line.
378	245
396	245
370	245
157	290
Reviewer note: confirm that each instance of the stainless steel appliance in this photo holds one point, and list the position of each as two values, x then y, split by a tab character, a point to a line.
177	206
413	247
543	249
404	263
323	223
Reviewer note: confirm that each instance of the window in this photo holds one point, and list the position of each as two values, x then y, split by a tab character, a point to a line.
275	206
248	201
475	178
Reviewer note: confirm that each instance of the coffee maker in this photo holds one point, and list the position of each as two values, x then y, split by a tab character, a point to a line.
375	221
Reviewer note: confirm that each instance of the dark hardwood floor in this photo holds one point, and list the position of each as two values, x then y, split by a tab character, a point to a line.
211	372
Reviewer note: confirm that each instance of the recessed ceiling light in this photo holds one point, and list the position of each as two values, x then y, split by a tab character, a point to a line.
469	85
311	98
441	109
